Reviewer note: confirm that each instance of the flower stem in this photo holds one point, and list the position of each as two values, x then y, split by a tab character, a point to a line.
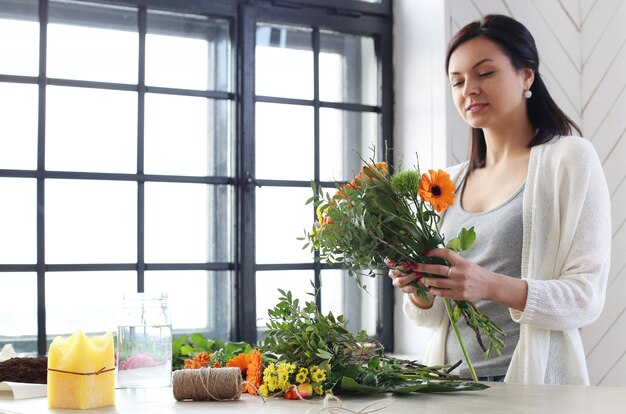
446	302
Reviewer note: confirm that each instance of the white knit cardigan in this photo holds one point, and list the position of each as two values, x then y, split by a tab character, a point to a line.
565	261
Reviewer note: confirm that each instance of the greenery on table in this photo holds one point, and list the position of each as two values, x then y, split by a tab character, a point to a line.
305	337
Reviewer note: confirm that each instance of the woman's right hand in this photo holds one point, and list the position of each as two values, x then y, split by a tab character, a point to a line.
404	279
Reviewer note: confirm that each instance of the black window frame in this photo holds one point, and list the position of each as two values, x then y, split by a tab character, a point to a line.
347	16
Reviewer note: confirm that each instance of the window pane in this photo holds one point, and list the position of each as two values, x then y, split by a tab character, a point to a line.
284	62
18	132
91	221
348	69
284	142
341	295
19	38
18	310
187	136
209	292
343	136
187	51
281	217
268	283
92	42
91	301
188	223
18	221
80	135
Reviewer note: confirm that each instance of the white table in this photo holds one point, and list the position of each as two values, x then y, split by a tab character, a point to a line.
500	398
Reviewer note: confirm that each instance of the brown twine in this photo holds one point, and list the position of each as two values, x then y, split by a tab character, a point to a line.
218	384
100	371
333	404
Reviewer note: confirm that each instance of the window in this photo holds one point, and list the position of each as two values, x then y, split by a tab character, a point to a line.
152	148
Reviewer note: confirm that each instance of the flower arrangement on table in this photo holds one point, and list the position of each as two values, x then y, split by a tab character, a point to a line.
306	353
379	220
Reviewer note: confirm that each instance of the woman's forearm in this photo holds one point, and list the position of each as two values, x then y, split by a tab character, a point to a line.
509	291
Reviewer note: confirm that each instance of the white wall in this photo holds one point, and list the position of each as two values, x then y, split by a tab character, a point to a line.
420	113
582	47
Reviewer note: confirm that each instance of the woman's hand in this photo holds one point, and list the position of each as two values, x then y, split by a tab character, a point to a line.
464	280
404	281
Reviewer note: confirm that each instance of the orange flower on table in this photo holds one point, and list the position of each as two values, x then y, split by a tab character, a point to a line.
252	365
437	189
241	361
200	360
291	394
254	374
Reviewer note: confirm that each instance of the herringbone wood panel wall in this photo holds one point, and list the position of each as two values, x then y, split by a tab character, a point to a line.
582	47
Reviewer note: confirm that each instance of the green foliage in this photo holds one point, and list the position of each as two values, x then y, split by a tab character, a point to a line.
463	241
305	337
349	384
187	347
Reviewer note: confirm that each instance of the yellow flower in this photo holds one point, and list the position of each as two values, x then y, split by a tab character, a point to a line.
302	375
318	390
320	214
264	390
318	375
271	368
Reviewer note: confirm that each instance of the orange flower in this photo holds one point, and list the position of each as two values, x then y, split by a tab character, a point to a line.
252	365
290	394
254	374
241	361
366	174
199	361
438	189
382	167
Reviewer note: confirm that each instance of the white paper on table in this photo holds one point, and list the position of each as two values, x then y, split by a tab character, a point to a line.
22	390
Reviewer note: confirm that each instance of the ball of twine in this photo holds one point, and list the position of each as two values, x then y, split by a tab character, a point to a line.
217	384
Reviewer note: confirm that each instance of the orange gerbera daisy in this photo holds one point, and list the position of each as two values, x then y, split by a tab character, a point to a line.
437	189
252	365
241	361
254	374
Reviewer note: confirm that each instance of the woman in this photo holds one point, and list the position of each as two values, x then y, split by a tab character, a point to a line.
539	202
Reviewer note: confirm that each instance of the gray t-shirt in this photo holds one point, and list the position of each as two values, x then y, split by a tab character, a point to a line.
498	248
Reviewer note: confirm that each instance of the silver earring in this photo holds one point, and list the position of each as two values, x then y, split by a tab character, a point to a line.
528	94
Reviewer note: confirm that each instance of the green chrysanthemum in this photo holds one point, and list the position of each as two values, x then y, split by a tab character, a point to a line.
406	183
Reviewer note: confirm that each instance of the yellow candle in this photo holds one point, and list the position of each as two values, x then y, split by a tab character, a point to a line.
80	371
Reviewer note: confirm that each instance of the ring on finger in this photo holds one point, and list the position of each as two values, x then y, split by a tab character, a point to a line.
449	271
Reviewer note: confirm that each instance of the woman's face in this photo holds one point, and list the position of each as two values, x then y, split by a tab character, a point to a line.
487	90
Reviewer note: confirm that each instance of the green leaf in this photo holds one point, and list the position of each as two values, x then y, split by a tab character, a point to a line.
349	384
454	244
186	350
456	314
468	237
373	363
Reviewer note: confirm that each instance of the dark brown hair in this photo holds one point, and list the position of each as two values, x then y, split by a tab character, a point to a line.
547	119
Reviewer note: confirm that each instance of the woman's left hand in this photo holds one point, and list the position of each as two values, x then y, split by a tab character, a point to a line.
463	279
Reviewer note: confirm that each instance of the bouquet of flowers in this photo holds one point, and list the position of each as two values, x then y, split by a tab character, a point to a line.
379	219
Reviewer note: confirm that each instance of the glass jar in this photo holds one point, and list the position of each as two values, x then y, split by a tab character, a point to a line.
144	341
